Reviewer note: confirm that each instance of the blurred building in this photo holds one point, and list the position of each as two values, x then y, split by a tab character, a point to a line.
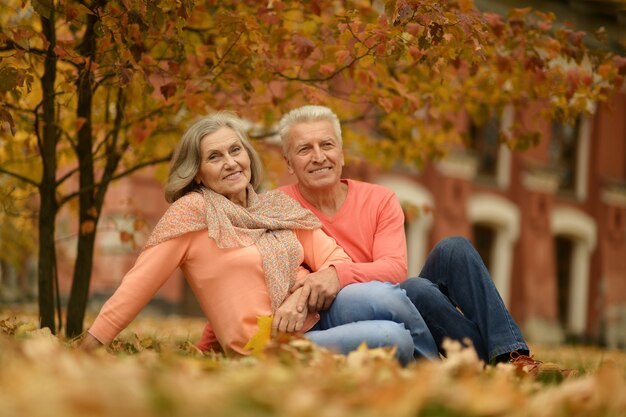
550	223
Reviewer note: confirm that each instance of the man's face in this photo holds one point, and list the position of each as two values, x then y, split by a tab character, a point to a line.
314	154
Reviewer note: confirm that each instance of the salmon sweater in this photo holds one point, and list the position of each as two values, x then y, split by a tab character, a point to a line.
229	284
369	226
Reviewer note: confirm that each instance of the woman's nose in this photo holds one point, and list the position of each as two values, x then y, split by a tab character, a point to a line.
229	161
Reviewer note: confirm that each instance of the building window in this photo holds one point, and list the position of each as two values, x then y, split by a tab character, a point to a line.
495	225
575	236
484	240
564	148
416	223
484	140
417	204
564	249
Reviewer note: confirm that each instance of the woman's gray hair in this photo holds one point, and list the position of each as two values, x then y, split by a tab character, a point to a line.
307	114
185	162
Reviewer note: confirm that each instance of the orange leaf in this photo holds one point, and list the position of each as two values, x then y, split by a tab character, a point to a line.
302	46
386	103
6	121
327	69
466	5
139	224
125	237
168	90
80	122
71	12
140	132
341	56
313	95
60	51
87	227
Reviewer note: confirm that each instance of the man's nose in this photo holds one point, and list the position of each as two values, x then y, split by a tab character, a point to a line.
318	154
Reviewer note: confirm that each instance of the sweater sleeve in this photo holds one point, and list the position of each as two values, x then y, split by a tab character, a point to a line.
208	341
389	256
152	268
321	250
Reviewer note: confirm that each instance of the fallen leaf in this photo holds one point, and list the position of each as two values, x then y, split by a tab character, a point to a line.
262	337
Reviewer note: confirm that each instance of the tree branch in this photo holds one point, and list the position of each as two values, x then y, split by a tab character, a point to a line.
114	155
16	108
66	176
142	165
129	171
19	177
223	57
68	137
329	77
12	45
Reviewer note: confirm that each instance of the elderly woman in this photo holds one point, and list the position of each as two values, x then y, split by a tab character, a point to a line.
240	252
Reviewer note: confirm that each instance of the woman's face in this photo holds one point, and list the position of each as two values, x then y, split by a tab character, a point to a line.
224	165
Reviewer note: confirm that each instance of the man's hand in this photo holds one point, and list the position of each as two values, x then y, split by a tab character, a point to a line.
319	288
288	318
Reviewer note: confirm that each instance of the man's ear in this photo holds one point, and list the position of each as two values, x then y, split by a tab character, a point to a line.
289	167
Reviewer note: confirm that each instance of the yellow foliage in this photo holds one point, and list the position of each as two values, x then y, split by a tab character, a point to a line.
153	369
261	338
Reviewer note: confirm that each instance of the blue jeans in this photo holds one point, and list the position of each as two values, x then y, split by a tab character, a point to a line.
379	314
453	276
374	333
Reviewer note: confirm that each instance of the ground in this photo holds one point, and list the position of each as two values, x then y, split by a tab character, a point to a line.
154	370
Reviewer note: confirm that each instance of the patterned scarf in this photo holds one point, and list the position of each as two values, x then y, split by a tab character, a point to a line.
268	222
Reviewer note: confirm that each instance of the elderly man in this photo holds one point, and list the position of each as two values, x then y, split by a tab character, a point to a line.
455	294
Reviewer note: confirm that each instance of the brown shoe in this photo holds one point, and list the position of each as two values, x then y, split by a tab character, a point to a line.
543	371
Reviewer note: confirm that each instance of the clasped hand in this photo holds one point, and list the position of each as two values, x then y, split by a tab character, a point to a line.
319	289
288	318
314	293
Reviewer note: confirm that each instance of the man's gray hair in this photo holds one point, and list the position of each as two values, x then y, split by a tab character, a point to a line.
303	114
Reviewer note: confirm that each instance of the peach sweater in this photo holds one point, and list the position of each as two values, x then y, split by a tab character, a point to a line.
369	226
228	283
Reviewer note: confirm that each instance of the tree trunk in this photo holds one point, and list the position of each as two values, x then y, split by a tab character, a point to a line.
89	209
47	188
79	294
88	214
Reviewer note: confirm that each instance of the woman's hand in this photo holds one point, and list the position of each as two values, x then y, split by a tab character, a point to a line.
287	318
